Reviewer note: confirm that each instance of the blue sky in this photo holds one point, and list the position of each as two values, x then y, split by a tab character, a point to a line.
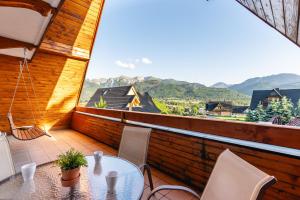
190	40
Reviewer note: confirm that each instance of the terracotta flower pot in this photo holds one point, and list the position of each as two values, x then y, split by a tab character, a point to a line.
70	174
70	177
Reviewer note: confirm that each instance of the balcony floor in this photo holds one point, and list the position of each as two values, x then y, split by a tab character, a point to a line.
46	149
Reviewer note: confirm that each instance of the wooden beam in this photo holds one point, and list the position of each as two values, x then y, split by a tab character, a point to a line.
49	46
6	43
39	6
49	24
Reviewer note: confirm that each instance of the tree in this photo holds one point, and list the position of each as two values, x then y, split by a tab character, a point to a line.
194	110
285	110
296	112
261	112
101	104
178	110
282	108
162	106
272	110
252	116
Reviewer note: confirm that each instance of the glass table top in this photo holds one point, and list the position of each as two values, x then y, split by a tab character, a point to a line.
92	185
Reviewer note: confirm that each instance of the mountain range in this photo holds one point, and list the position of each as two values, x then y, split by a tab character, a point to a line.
282	81
170	88
164	88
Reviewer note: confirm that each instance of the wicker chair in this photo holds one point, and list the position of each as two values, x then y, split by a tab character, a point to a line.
232	178
134	148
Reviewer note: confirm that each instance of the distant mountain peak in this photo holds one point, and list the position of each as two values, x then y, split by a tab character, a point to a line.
282	81
220	85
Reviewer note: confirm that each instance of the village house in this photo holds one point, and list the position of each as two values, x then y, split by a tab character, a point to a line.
224	108
124	98
266	96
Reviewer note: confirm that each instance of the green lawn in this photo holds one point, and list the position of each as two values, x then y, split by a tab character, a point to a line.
232	118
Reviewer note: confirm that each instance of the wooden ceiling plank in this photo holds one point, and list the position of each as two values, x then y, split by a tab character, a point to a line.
6	43
298	23
283	8
251	6
39	6
259	9
244	2
266	4
291	18
277	7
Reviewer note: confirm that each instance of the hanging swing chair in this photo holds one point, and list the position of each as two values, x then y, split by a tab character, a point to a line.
25	132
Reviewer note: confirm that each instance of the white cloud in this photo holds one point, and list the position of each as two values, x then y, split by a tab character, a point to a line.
132	63
125	64
146	61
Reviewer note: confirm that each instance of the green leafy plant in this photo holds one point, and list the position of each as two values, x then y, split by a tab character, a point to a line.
101	104
71	160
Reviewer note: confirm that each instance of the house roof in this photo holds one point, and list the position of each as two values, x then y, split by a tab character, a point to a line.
211	105
283	16
260	95
115	97
147	104
239	109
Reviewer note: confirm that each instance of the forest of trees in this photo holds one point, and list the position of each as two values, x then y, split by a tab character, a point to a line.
283	109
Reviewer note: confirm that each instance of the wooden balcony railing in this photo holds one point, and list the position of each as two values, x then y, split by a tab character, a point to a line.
187	147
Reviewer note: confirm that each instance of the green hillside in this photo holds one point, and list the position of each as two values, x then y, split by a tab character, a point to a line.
282	81
167	89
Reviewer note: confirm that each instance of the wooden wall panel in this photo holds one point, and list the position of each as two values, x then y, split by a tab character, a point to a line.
57	82
58	68
268	134
191	159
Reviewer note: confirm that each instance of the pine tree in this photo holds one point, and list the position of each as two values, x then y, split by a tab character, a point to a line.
285	109
261	112
297	110
252	116
272	109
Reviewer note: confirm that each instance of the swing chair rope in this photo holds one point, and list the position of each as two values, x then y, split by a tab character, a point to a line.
34	92
34	131
28	98
17	84
23	65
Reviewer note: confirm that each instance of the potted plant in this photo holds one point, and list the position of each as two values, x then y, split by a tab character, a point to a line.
70	163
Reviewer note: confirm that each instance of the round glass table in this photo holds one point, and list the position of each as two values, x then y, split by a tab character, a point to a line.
92	185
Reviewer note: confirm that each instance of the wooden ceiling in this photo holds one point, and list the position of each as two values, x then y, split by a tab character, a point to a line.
24	23
282	15
39	6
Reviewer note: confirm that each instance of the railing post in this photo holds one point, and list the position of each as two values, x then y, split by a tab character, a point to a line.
122	117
